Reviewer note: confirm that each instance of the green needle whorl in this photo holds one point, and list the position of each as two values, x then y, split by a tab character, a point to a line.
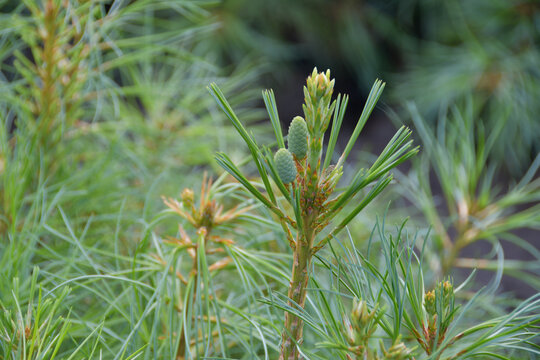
298	143
285	166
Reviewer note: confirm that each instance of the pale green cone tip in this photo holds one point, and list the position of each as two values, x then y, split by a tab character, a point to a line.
297	140
285	166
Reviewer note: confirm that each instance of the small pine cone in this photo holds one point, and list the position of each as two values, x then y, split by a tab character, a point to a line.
298	133
285	166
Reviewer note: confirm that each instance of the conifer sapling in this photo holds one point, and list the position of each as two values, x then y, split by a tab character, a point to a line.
307	181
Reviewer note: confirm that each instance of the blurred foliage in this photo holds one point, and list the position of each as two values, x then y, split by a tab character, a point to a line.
435	54
488	50
87	81
472	206
98	102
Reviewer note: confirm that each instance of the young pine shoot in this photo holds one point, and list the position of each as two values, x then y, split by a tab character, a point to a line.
396	316
306	180
207	257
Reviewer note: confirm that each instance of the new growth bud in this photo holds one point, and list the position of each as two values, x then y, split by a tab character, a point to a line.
317	102
298	135
439	307
361	313
442	296
362	318
359	329
285	166
398	351
430	303
448	290
187	197
319	85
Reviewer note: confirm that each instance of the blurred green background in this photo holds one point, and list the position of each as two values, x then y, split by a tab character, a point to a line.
431	52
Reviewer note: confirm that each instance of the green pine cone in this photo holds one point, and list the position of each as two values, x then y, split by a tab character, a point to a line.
285	166
298	143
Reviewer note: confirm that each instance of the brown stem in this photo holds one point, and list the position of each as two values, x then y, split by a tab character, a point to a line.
292	332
